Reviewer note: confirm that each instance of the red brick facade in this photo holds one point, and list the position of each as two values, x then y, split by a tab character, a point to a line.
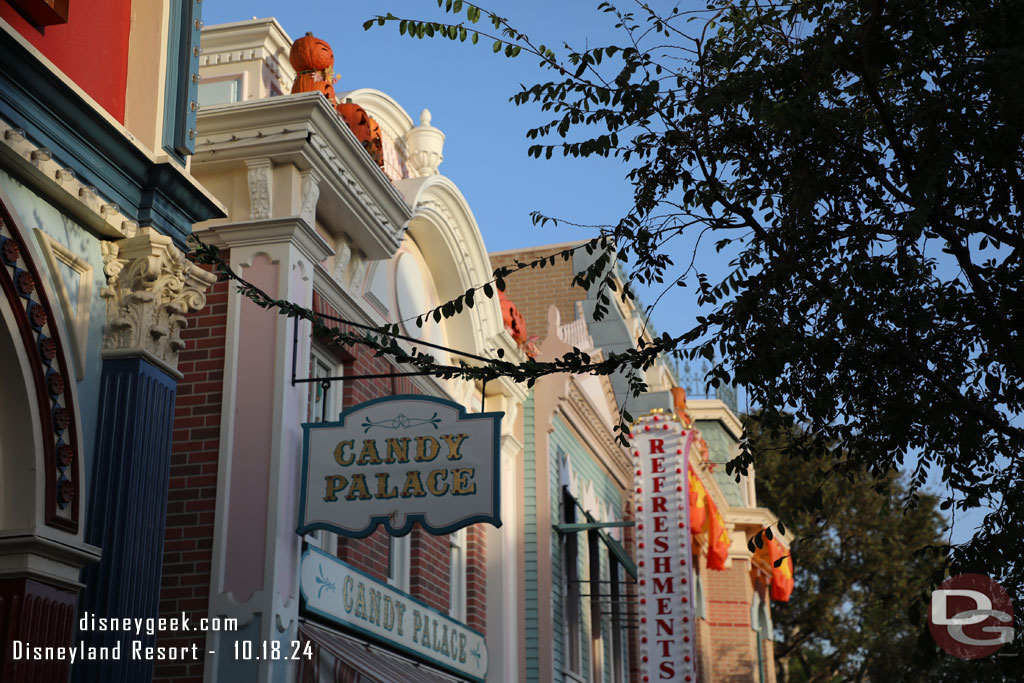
192	498
534	290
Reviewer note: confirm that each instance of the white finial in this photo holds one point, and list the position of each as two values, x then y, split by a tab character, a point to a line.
426	147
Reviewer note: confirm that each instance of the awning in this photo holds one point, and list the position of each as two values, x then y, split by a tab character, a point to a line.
341	658
614	546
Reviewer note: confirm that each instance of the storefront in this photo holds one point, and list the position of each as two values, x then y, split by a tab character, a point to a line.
356	223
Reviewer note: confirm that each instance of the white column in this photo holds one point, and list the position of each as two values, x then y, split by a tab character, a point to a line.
254	576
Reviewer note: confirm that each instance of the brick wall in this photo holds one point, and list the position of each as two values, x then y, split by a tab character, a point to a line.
476	578
533	290
733	642
188	538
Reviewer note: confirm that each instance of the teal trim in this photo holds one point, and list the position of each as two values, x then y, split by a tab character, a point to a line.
418	655
181	101
531	638
720	451
79	137
493	517
620	554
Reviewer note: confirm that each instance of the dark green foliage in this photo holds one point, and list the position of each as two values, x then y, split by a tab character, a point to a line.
863	571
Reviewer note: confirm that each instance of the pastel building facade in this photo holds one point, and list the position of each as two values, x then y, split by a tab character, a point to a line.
731	598
372	235
97	123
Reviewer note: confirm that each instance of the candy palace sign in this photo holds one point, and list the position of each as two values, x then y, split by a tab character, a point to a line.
342	594
664	572
399	460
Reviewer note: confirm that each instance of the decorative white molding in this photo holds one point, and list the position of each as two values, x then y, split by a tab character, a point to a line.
75	313
150	288
310	195
94	211
336	166
261	187
358	272
344	251
305	131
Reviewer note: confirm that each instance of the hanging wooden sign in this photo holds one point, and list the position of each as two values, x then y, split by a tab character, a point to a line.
398	460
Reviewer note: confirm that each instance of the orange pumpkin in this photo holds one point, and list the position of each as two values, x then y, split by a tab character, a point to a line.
313	82
357	119
311	54
366	130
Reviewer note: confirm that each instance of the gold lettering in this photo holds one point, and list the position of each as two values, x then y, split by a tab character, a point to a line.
454	442
413	487
361	601
369	455
382	487
462	481
398	450
427	448
339	453
358	489
432	484
335	483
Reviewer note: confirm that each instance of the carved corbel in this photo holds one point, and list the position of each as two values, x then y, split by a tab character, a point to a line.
310	196
151	287
261	186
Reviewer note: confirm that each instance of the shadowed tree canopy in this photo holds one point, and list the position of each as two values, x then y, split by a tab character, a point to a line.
861	567
861	162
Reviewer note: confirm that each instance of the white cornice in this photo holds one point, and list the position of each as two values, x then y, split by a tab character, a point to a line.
256	39
292	230
355	196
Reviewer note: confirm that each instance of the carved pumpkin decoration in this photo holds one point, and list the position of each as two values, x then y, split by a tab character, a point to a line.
314	82
366	130
311	54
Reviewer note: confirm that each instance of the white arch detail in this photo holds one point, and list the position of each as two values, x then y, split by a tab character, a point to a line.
449	238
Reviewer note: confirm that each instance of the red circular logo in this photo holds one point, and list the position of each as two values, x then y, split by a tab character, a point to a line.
971	616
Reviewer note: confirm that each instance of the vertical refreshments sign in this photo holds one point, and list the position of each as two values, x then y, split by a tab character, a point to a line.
661	452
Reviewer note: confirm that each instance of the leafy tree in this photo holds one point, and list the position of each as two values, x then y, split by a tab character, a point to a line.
862	161
860	570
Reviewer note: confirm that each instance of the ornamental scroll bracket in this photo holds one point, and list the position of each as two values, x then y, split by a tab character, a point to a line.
151	286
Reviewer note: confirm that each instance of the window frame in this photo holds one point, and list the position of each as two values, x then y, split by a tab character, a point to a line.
399	552
457	551
572	629
321	538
